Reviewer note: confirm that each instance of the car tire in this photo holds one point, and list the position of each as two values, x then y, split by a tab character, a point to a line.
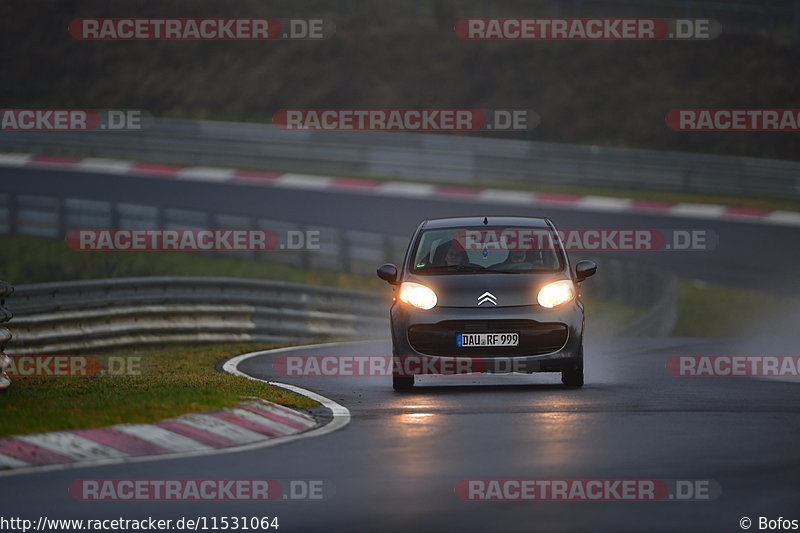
574	378
402	383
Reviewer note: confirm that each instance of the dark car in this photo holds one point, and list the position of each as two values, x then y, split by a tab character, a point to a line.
486	294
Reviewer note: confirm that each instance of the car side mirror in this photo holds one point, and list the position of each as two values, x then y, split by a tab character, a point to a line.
585	269
388	272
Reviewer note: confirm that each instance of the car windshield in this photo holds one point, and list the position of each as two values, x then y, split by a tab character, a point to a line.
486	249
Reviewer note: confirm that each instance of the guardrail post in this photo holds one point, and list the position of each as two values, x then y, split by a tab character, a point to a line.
5	335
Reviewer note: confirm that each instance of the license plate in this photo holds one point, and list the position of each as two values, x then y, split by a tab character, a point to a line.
466	340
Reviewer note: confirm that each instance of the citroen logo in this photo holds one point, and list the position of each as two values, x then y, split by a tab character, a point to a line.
487	297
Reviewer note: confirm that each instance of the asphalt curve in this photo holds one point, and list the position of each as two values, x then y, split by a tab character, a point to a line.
396	465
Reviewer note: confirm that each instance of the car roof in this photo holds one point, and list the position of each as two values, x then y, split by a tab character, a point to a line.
528	222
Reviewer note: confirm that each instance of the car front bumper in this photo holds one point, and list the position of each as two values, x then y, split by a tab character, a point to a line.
526	359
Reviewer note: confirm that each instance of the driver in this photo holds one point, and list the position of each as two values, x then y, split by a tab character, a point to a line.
450	254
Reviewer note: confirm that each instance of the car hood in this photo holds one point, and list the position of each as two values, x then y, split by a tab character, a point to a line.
469	290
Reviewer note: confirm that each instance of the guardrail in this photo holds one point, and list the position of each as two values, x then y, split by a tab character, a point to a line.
113	313
417	156
5	334
340	250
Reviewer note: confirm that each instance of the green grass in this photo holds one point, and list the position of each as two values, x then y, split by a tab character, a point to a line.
706	310
605	317
171	382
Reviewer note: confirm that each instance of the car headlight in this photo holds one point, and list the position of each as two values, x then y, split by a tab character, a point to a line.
417	295
556	293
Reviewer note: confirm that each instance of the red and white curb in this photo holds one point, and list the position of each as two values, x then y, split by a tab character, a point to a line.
404	189
252	424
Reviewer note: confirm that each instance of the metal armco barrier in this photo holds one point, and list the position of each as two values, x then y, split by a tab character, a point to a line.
110	313
340	250
420	157
5	334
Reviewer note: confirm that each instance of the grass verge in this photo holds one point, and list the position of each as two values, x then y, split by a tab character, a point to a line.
171	382
706	310
27	259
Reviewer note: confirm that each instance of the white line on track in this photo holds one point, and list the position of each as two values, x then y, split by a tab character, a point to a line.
788	218
401	188
102	165
303	181
205	174
14	160
603	203
341	415
698	210
504	196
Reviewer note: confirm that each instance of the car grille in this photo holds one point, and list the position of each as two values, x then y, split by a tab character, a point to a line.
535	338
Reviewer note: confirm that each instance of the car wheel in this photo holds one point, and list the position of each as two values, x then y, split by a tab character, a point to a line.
402	383
574	378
